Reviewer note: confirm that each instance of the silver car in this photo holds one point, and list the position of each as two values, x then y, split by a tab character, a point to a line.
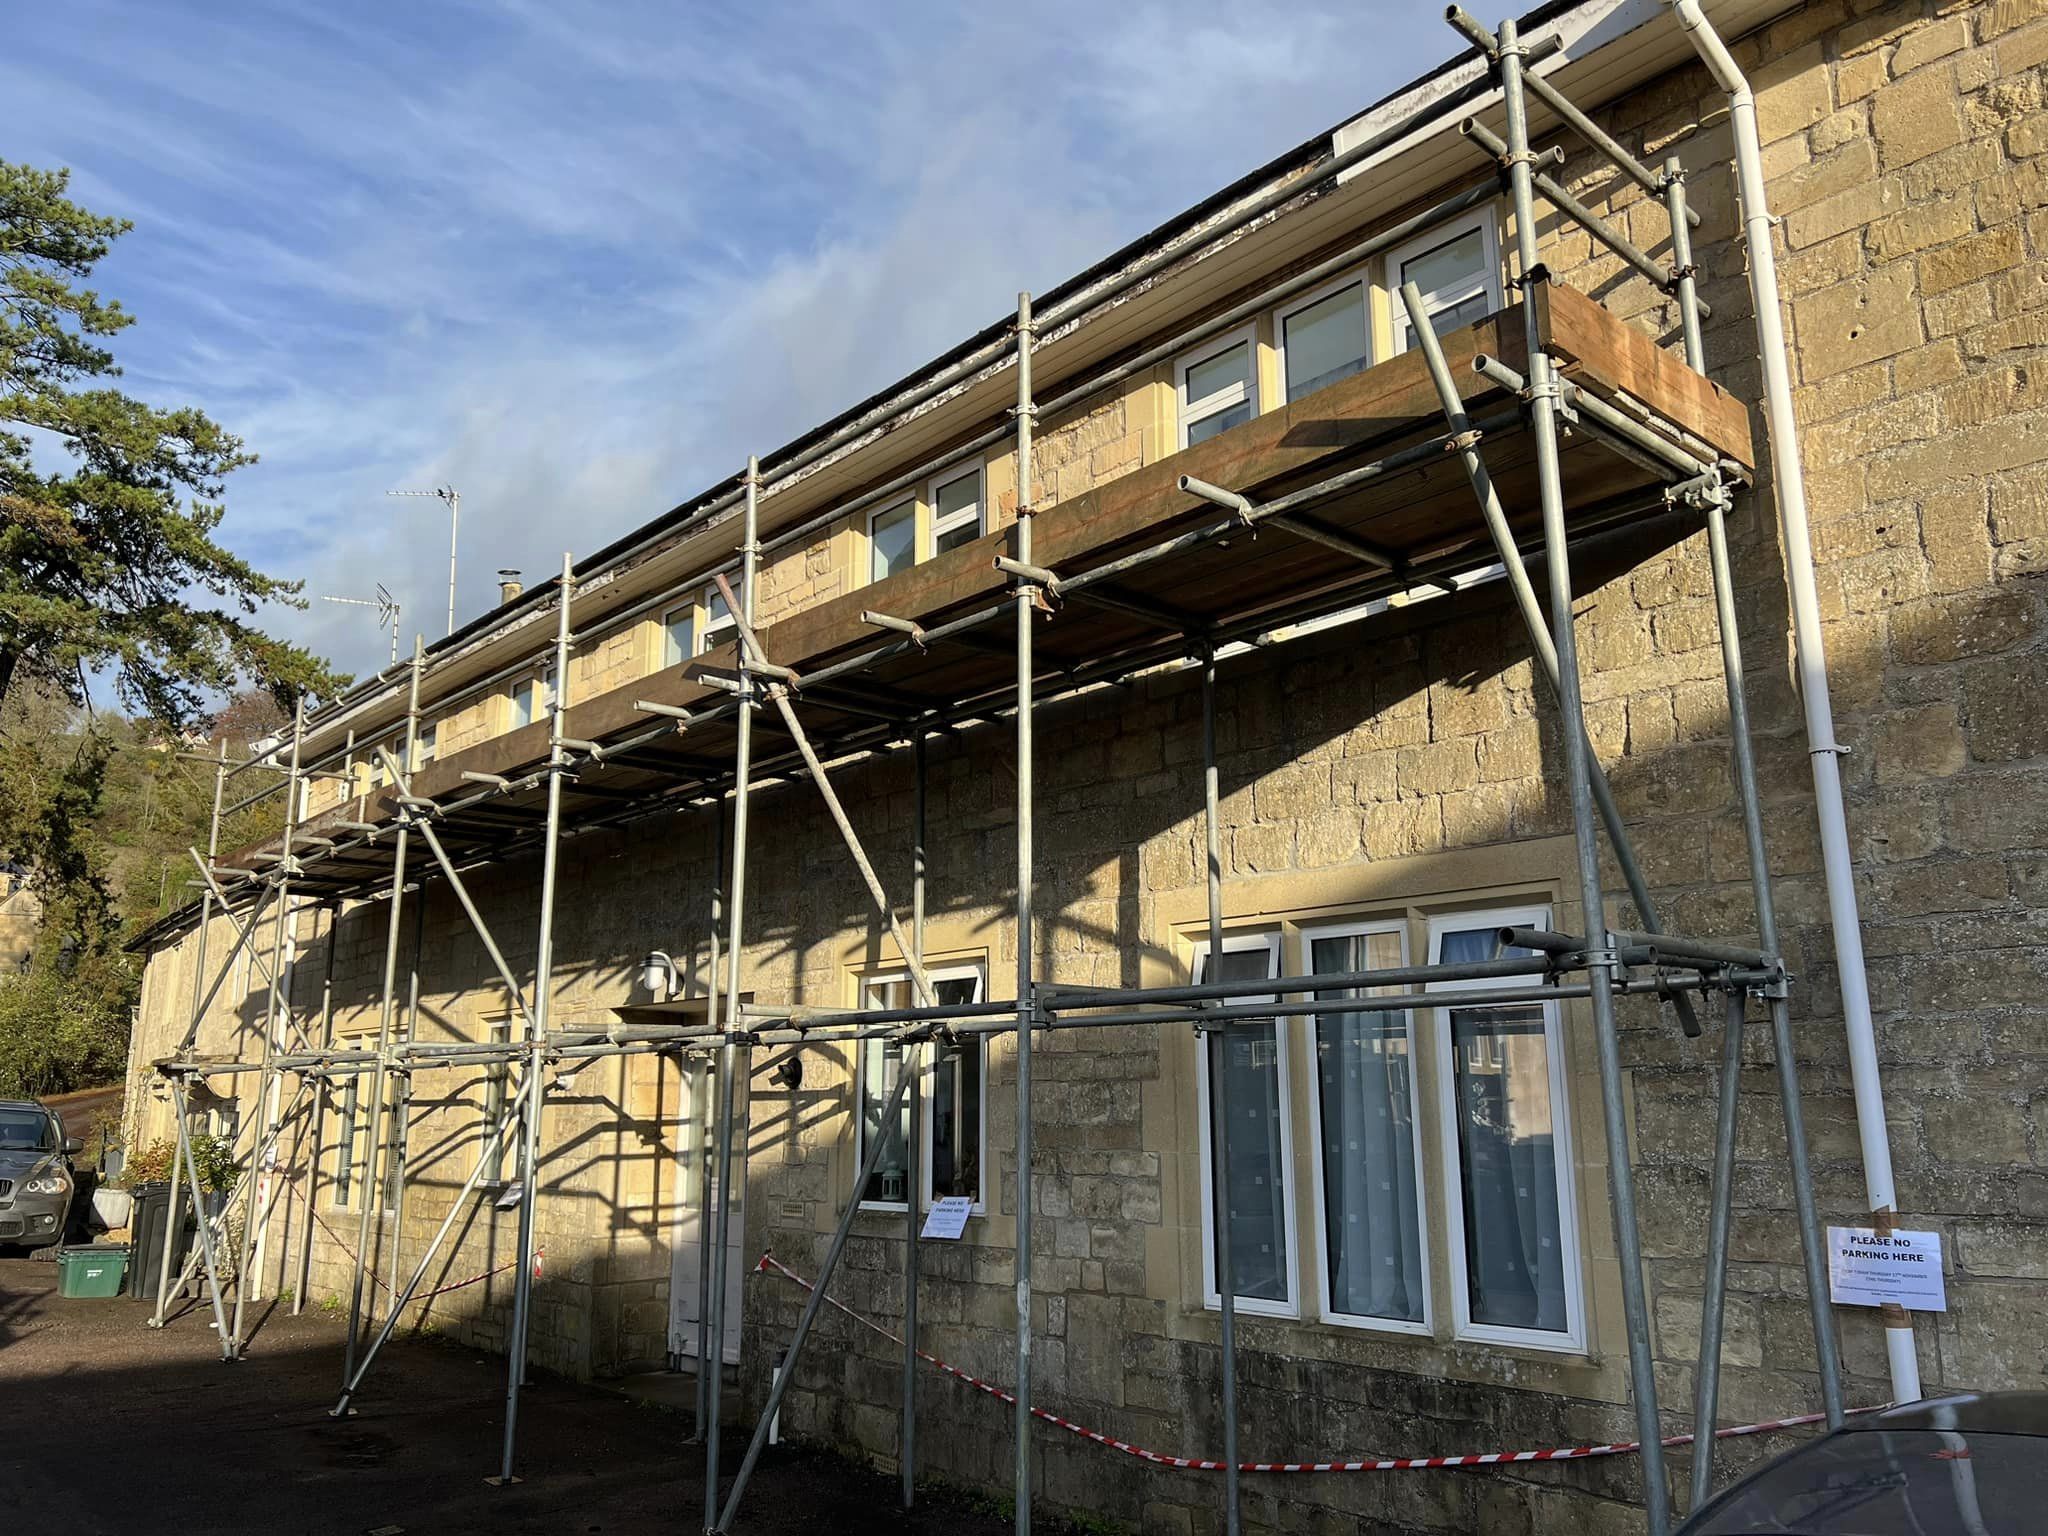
35	1174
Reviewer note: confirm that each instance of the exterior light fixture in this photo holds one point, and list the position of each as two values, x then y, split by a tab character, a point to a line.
660	975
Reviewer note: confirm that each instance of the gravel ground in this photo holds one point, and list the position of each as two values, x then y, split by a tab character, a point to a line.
107	1426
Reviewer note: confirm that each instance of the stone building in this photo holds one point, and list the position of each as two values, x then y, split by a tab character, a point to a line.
1391	788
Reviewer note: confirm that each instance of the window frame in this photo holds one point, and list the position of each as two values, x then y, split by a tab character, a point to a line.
497	1094
710	633
1271	941
1362	281
926	1082
916	535
1486	221
673	655
932	528
1246	335
1327	1309
529	689
1572	1340
348	1178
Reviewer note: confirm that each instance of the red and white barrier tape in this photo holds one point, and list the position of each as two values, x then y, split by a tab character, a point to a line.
378	1280
770	1264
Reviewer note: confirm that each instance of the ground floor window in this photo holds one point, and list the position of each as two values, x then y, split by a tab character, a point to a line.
1366	1164
1250	1058
953	1144
1507	1136
350	1131
1487	1080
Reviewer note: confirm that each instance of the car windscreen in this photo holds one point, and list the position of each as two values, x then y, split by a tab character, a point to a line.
1916	1482
27	1130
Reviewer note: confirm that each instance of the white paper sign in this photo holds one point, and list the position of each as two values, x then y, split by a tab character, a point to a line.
1868	1270
511	1196
948	1217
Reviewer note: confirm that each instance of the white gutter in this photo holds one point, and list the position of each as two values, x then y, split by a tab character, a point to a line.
1810	664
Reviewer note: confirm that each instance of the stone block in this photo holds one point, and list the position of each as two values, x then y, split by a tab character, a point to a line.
1918	744
1437	766
1791	93
1857	322
1937	40
2005	1249
1855	209
2002	709
1975	1129
1917	116
1938	886
1915	229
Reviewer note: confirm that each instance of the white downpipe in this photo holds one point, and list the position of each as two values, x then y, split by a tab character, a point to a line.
1810	661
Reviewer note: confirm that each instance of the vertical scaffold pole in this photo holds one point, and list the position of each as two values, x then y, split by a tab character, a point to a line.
700	1119
1218	1107
1827	1352
181	1092
913	1064
728	1052
1721	1207
373	1189
537	1023
318	1118
1026	599
401	1126
256	1214
1543	405
174	1217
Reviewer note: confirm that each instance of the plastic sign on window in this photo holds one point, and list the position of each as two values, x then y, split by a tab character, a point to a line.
948	1218
1867	1268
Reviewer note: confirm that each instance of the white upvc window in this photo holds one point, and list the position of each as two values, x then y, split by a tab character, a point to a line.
1457	267
718	624
1371	1242
956	508
1218	386
1324	337
892	540
954	1143
1510	1209
678	627
490	1155
423	751
1252	1058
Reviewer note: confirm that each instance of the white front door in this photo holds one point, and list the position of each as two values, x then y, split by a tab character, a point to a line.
694	1226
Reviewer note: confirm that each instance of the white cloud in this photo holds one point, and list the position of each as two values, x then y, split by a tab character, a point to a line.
579	259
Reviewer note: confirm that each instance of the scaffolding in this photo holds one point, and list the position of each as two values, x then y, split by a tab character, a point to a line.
1676	474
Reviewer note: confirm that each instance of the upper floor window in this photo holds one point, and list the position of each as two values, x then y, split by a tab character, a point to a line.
1507	1143
718	622
1251	1057
677	627
954	1147
428	737
1323	339
956	510
1457	267
533	697
1218	389
892	540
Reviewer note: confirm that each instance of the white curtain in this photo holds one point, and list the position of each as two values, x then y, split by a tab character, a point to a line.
1368	1132
1507	1155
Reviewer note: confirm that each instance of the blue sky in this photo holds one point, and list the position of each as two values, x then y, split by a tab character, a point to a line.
579	259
